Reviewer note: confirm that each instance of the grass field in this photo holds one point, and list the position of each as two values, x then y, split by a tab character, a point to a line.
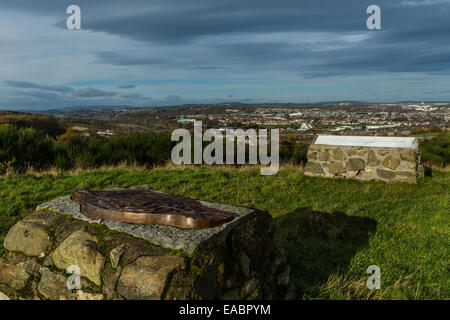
332	230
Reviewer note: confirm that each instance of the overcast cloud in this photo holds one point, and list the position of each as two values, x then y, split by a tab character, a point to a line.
166	52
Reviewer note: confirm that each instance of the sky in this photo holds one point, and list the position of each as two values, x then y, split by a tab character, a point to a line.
172	52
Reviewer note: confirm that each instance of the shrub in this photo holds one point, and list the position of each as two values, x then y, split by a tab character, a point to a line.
26	147
292	152
22	148
436	152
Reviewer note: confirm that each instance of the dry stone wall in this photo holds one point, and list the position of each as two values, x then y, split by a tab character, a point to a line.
238	261
364	163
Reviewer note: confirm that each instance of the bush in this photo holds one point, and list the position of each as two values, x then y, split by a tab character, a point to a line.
47	124
26	147
22	148
138	148
292	152
436	152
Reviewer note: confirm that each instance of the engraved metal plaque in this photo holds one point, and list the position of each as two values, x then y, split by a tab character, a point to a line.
149	207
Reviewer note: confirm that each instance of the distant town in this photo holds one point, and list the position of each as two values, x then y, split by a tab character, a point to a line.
301	120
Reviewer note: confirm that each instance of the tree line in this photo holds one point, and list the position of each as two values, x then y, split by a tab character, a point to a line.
24	148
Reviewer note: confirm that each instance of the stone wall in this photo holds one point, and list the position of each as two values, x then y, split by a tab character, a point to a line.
235	261
364	163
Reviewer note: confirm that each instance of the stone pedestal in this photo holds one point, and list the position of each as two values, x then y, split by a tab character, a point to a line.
365	158
47	250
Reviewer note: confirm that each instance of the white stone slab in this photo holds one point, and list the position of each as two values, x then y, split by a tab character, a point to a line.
367	141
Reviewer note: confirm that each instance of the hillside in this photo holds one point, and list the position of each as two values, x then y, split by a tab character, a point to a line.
48	124
332	230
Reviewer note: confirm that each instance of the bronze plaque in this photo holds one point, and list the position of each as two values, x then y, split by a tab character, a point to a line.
149	207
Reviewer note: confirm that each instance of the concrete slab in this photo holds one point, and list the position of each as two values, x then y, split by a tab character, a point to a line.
366	141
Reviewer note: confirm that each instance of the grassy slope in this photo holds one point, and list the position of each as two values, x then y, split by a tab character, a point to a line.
332	229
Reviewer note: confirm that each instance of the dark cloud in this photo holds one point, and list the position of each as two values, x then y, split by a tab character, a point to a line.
174	21
206	68
41	95
127	86
92	93
60	90
29	85
377	56
409	26
261	53
134	96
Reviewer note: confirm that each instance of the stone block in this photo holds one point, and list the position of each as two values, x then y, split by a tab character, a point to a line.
351	152
410	165
312	155
410	155
29	238
356	164
361	157
366	174
116	254
53	286
147	277
79	249
313	168
372	159
385	174
81	295
3	297
391	162
338	154
13	276
336	168
323	156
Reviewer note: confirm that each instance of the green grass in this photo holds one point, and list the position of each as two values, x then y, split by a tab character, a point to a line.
331	229
426	135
